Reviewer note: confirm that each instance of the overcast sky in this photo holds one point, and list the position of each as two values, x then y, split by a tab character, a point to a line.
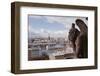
54	26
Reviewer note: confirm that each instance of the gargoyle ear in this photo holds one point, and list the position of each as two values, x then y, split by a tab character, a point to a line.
81	24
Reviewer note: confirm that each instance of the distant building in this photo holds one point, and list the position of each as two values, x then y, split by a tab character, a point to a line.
50	47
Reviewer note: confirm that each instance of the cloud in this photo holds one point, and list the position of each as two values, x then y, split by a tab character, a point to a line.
66	20
61	20
35	16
